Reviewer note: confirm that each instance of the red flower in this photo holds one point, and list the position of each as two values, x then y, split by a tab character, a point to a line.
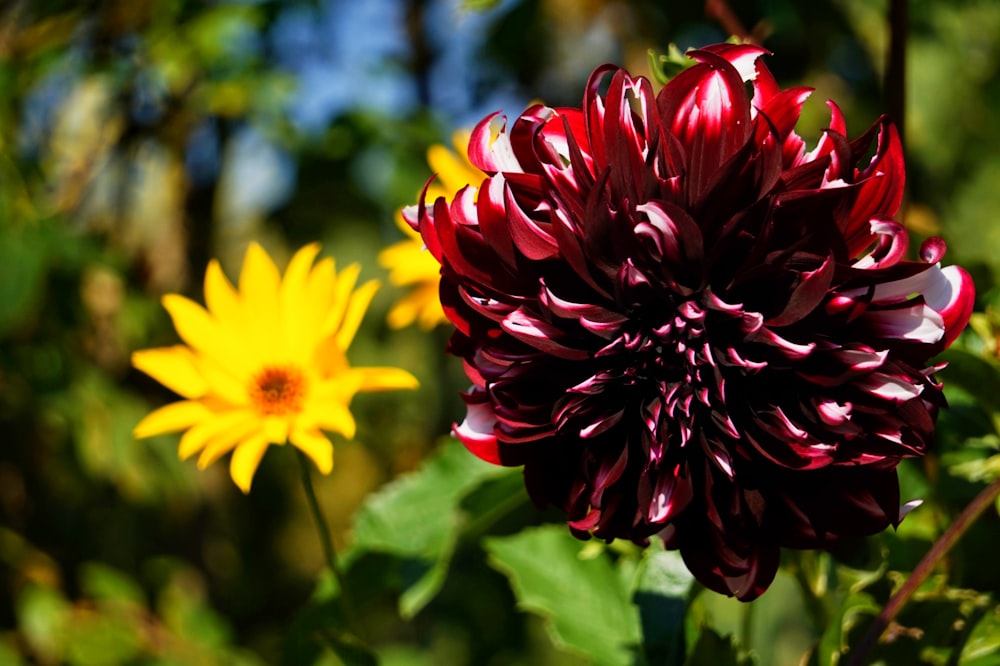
683	323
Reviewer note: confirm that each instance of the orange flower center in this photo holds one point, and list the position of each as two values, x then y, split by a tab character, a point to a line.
278	391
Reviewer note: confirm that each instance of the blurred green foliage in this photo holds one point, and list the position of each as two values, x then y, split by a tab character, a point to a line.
140	138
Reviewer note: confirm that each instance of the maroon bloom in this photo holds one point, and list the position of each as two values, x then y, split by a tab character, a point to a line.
682	322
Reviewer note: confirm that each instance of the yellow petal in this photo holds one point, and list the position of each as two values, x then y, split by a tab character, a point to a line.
315	445
276	429
245	461
333	416
297	321
197	328
196	438
404	312
454	168
226	441
409	262
356	308
340	299
220	296
328	359
171	418
224	384
174	367
319	297
384	379
259	284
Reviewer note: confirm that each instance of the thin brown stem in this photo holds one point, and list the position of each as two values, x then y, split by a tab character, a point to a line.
894	84
976	507
721	12
329	553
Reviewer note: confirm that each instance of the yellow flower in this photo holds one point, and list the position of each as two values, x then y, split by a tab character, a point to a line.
408	261
264	364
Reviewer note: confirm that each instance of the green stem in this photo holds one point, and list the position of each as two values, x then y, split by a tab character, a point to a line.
804	575
746	626
976	507
347	606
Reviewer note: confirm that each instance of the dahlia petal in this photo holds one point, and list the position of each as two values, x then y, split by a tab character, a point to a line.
832	412
746	58
672	494
489	146
245	461
932	250
531	239
837	125
602	425
810	292
889	387
953	302
171	418
710	114
492	215
539	334
476	431
915	322
892	244
595	318
787	348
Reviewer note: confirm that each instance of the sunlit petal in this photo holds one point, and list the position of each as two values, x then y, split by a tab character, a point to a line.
171	418
220	296
358	304
224	442
315	445
201	332
174	367
195	439
246	458
384	379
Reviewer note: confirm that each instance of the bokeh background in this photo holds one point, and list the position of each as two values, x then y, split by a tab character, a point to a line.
140	138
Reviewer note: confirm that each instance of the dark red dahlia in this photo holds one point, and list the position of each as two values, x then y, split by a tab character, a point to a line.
683	323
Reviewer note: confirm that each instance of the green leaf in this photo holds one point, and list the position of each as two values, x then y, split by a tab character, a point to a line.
982	648
419	516
833	643
663	583
23	258
976	375
584	602
665	66
711	649
101	582
99	640
42	615
349	649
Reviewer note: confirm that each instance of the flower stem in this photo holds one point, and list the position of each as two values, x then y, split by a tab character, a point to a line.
805	572
326	541
940	548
